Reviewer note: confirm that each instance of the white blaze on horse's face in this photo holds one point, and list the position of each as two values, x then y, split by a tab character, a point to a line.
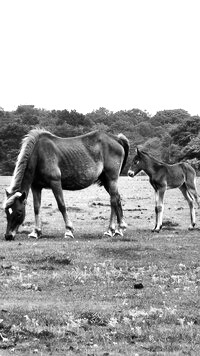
15	213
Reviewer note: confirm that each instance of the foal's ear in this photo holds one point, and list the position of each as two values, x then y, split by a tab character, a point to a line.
7	194
138	152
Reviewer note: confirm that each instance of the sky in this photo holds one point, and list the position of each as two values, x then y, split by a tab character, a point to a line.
85	54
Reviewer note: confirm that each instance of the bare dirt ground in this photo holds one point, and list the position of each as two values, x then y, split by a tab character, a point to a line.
137	295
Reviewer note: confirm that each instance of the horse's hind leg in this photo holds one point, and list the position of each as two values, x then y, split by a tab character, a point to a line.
191	187
111	230
116	209
58	193
36	233
187	195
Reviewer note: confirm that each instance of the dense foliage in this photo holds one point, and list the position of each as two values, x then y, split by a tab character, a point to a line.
170	135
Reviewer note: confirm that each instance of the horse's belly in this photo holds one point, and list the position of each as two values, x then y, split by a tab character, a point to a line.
75	179
175	181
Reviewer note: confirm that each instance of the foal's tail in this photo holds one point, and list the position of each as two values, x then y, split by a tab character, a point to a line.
123	140
190	182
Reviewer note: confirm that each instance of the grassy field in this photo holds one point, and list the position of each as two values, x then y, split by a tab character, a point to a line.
97	296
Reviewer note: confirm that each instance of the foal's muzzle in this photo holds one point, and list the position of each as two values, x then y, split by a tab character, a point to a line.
131	173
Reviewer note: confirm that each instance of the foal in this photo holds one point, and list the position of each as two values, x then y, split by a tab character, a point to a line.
163	176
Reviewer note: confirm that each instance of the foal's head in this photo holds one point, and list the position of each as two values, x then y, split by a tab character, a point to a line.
138	163
15	213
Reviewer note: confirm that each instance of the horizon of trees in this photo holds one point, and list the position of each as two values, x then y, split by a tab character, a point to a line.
169	135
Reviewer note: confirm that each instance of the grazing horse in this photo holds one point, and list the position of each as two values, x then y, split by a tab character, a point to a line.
164	176
48	161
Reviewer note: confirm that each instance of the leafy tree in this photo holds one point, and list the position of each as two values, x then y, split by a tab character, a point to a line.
153	146
145	129
169	135
67	130
169	116
184	132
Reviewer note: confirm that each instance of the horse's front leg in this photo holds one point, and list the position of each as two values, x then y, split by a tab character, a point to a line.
58	193
159	208
37	232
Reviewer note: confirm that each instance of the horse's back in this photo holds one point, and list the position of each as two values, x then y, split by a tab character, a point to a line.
77	161
179	173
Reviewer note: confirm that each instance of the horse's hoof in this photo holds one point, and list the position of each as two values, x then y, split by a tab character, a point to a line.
118	233
108	234
35	234
9	237
68	235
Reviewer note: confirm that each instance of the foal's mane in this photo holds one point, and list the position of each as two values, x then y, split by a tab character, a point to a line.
27	146
155	161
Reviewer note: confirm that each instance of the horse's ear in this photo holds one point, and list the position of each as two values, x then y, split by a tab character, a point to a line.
7	194
23	197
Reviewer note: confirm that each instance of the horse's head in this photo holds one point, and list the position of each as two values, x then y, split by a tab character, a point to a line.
137	164
15	212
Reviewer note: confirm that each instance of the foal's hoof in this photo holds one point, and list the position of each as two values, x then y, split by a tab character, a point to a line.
156	230
68	235
191	227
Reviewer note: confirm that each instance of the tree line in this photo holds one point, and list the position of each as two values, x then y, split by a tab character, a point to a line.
169	135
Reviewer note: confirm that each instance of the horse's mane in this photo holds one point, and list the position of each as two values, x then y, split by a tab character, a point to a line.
27	146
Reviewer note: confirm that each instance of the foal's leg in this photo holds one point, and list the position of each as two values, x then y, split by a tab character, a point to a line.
191	187
190	201
58	193
36	233
116	209
159	208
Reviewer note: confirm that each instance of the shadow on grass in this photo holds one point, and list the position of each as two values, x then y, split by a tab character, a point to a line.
47	262
122	252
90	236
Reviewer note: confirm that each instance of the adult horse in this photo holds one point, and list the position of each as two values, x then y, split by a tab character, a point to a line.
163	176
48	161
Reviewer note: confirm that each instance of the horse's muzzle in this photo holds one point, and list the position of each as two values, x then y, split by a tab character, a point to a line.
9	237
131	173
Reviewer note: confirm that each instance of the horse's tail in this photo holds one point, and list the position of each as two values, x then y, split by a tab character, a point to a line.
123	140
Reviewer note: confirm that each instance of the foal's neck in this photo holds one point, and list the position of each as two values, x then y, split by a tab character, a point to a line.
151	166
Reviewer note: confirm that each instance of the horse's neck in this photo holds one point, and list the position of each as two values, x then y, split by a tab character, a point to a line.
20	182
23	175
149	167
16	187
27	179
